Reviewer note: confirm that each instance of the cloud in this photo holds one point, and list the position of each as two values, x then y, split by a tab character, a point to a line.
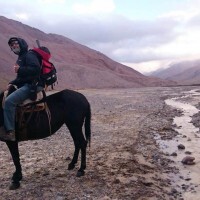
50	1
94	7
194	22
114	28
120	38
22	16
95	23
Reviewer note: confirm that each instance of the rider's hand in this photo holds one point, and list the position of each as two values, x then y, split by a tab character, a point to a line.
8	86
16	68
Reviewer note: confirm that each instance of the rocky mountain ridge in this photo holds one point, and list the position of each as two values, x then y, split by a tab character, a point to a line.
78	66
186	72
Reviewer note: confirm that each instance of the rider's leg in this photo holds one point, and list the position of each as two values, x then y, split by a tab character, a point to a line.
11	102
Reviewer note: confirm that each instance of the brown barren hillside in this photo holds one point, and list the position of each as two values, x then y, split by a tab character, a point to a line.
78	66
185	72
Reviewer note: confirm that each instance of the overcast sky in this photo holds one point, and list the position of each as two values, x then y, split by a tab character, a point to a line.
143	34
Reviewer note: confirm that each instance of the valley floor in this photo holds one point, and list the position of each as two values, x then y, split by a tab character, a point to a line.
124	162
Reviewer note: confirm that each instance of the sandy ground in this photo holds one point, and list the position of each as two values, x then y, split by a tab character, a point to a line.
124	161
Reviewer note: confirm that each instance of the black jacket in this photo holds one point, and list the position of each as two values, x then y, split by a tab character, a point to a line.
30	66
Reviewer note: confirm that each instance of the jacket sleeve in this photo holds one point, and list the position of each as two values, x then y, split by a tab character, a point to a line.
32	68
29	70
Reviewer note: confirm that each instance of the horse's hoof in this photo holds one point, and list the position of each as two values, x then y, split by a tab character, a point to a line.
14	186
16	177
71	166
80	173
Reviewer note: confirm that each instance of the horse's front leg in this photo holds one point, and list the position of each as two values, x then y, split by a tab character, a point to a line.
71	165
17	175
74	159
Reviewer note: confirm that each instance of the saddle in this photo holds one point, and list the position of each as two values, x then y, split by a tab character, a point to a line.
33	106
29	105
24	112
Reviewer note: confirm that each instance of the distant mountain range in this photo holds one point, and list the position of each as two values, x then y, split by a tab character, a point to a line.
187	72
78	66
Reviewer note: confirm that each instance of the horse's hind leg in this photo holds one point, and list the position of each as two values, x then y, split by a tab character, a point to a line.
81	171
80	144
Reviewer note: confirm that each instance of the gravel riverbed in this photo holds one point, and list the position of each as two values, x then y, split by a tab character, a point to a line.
123	162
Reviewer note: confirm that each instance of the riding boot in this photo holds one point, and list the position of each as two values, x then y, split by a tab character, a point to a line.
7	136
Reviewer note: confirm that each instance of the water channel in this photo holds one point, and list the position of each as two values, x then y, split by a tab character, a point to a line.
189	177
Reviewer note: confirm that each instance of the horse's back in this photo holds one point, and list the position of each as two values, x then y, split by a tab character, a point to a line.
69	97
69	104
66	106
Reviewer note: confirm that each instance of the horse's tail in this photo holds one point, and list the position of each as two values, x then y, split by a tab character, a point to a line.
88	125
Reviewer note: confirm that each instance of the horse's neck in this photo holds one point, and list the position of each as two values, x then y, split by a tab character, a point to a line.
1	98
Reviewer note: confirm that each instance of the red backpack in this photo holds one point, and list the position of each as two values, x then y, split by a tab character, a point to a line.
48	70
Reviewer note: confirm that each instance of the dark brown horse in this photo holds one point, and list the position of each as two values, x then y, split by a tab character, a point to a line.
66	107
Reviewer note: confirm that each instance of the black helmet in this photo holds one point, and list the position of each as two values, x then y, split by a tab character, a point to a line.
22	44
11	40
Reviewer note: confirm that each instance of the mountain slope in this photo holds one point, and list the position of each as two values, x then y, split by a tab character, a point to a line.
187	72
78	66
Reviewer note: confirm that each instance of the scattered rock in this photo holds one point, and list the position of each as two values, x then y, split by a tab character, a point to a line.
188	152
188	160
148	184
181	146
46	173
116	181
173	191
174	154
184	187
68	158
188	179
115	167
105	198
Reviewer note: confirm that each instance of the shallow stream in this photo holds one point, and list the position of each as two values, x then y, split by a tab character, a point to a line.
188	181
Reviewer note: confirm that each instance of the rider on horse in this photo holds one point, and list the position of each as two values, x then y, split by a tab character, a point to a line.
28	82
